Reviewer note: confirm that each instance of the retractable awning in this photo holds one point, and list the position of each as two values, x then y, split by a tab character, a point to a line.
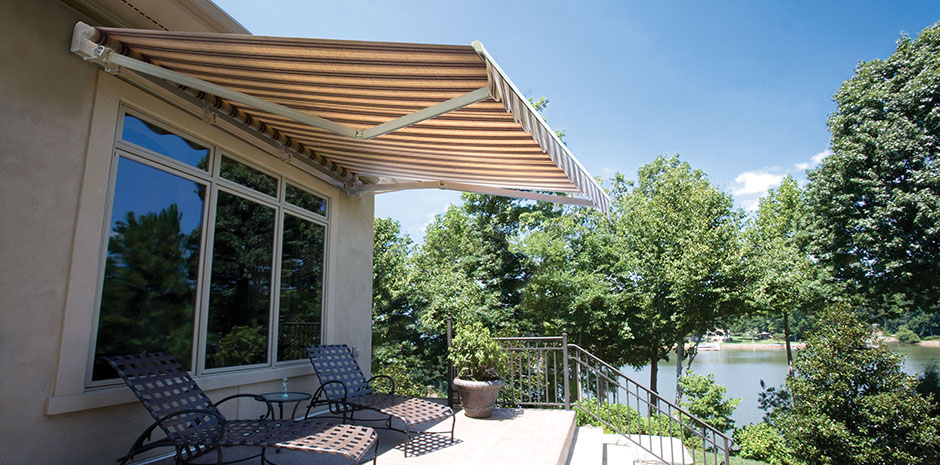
373	116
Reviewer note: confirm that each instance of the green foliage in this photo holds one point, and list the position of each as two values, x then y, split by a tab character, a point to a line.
874	219
706	399
590	412
852	402
403	347
773	401
906	336
667	265
928	386
763	442
406	377
475	355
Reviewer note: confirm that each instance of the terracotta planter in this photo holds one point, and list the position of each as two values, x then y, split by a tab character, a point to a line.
478	397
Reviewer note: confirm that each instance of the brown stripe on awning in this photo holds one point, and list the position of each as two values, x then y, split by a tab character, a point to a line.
496	142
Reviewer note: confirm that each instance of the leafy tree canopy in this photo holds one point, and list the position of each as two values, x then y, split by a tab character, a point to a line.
875	202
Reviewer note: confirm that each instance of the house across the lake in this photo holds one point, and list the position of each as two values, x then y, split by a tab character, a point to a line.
170	182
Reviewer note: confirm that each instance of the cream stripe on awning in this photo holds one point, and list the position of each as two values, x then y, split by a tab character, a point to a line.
395	112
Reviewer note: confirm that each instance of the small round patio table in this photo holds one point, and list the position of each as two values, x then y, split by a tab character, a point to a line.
285	397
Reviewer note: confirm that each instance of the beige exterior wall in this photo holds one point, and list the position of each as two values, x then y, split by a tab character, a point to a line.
57	121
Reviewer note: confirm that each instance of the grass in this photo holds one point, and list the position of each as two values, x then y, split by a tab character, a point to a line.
700	458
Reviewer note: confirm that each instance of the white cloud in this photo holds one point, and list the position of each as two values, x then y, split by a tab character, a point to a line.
818	158
751	204
756	182
814	161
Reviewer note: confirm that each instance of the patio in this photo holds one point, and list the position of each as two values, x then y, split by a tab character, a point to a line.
510	436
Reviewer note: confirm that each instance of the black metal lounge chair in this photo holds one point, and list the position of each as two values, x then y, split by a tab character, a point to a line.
347	391
195	427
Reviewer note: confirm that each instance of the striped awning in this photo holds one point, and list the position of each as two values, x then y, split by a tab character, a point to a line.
371	114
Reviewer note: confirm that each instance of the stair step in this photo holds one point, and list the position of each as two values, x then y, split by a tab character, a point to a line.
591	446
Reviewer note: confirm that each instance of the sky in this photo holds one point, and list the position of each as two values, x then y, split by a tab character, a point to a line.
739	89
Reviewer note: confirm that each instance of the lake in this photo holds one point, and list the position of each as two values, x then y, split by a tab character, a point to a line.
740	371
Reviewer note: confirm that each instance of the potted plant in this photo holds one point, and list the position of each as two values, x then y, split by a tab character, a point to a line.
478	361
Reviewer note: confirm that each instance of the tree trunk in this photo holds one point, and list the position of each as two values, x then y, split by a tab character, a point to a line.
680	348
654	371
786	338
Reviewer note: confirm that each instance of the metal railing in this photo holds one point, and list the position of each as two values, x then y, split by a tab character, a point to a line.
543	371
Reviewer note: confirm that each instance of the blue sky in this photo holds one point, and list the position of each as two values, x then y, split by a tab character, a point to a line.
740	89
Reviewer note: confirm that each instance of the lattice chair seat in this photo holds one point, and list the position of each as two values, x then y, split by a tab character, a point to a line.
194	425
343	384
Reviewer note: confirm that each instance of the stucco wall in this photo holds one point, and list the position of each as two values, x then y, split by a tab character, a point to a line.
47	99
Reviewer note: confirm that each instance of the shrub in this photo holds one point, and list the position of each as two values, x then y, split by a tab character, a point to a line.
906	336
928	386
853	404
475	355
761	441
706	399
628	419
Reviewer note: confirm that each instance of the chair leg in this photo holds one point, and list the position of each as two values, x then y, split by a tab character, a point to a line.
453	424
407	440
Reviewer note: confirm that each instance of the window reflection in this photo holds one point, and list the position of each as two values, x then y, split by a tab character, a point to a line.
248	177
153	137
149	291
305	200
301	287
240	295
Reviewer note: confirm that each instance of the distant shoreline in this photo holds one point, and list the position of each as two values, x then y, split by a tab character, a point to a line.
748	345
800	345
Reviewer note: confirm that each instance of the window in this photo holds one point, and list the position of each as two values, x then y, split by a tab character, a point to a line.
218	262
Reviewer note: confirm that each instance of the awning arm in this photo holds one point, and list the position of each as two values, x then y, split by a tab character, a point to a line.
457	186
427	113
84	45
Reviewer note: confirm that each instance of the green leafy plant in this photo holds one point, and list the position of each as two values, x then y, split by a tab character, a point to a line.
475	355
761	441
706	399
853	404
906	336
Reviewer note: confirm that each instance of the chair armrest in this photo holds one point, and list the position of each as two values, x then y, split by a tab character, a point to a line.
389	378
315	400
270	413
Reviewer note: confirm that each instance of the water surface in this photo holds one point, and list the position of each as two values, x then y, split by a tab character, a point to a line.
740	371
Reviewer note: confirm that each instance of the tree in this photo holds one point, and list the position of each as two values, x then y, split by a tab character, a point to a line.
667	265
875	202
852	402
706	400
784	277
402	346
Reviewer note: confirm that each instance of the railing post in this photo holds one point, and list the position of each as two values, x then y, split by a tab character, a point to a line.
450	366
564	370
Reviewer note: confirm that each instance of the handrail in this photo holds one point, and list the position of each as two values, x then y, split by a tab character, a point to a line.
649	391
537	378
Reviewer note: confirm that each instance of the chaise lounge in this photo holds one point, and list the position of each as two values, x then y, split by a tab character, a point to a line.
195	427
346	390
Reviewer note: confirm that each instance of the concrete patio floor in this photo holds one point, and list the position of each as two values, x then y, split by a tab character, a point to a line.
509	437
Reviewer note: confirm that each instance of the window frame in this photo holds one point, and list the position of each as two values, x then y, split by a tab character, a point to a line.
214	183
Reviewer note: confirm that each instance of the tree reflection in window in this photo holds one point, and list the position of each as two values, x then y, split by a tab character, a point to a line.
240	294
149	290
301	295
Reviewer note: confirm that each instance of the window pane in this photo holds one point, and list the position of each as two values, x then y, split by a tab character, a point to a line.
248	177
305	200
301	287
160	140
149	289
240	295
